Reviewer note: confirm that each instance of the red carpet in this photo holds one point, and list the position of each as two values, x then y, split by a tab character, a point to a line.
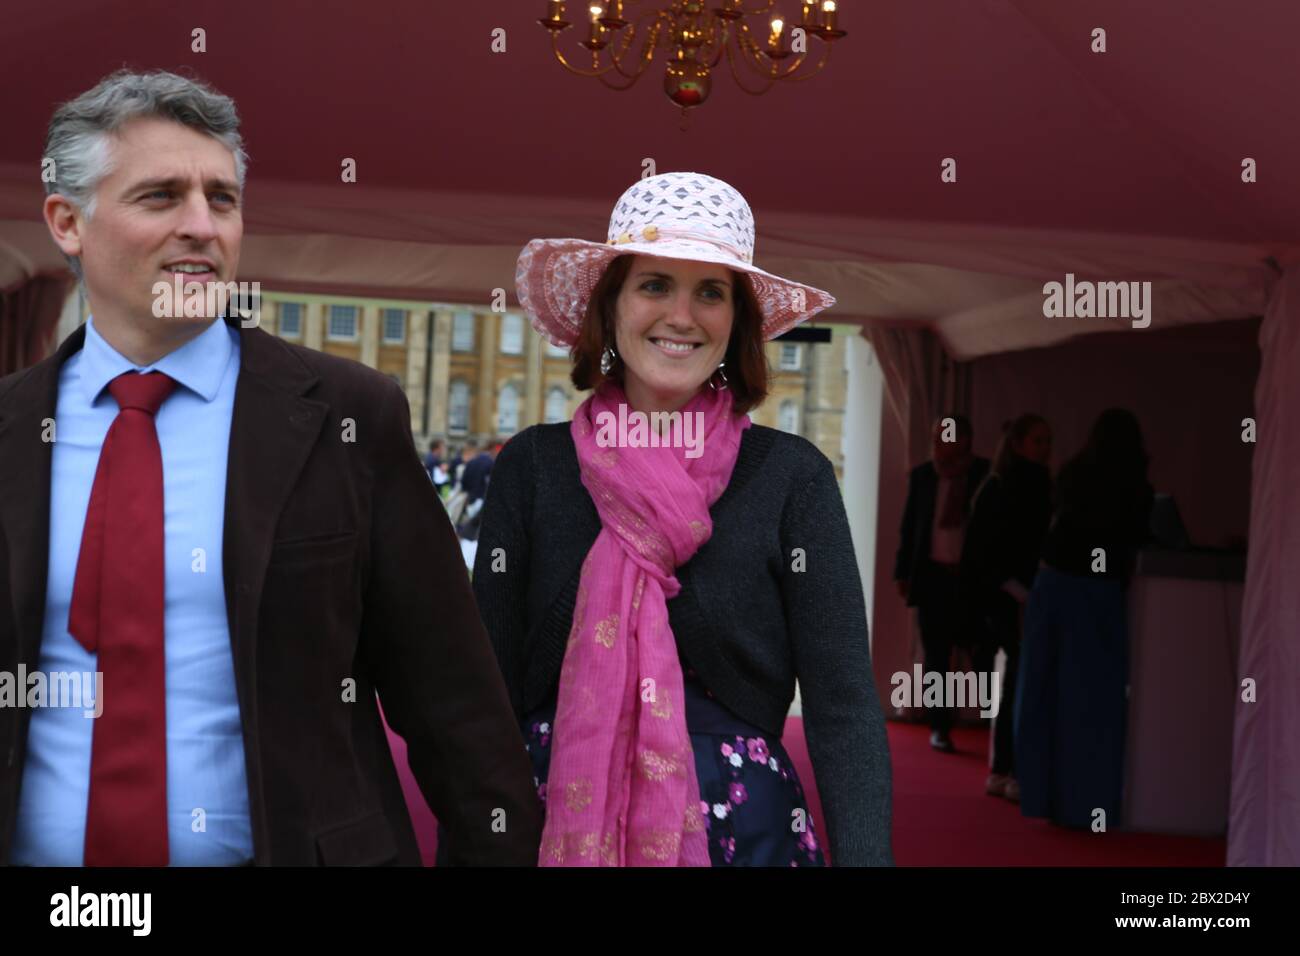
942	817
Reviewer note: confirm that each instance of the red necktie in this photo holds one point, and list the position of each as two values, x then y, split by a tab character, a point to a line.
117	611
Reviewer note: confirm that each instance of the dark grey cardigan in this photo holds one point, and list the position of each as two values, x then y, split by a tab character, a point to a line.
745	620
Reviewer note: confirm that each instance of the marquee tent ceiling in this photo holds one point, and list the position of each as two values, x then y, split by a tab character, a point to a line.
1120	165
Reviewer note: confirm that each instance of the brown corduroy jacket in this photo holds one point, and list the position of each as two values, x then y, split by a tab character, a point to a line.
338	563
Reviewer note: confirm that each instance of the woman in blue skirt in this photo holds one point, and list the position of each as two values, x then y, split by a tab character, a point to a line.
1071	698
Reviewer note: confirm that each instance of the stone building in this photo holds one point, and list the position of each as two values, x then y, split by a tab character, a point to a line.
469	372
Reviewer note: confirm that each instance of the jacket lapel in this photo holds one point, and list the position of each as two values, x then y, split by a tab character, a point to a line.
272	431
25	461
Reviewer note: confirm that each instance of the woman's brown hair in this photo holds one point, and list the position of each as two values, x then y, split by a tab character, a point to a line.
1013	433
746	369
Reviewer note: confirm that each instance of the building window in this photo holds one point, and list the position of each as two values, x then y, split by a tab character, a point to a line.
556	404
394	322
291	319
790	357
462	332
789	418
556	351
343	322
508	411
512	334
458	408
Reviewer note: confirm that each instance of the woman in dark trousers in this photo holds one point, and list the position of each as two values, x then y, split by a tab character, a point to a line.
1071	698
999	560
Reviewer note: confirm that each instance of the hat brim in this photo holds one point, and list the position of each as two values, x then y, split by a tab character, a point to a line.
554	279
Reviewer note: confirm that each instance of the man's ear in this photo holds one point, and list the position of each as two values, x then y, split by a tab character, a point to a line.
65	223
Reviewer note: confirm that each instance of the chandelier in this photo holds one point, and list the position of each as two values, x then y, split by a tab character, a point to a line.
761	48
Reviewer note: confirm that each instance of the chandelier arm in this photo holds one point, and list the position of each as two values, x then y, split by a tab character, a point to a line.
723	46
630	78
646	56
640	18
604	79
735	74
616	56
757	60
578	70
601	71
721	34
754	56
808	74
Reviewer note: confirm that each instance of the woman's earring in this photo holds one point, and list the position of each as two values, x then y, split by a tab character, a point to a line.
720	370
607	360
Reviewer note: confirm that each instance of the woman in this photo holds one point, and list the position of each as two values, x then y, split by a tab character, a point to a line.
652	607
999	560
1071	698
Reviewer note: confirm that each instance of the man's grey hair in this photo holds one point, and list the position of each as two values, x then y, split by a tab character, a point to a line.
78	140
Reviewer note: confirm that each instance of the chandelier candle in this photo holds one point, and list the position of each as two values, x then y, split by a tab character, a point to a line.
774	42
693	37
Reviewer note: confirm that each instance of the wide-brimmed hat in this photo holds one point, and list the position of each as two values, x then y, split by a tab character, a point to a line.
673	216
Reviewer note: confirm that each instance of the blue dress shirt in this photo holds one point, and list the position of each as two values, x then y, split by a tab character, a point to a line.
207	791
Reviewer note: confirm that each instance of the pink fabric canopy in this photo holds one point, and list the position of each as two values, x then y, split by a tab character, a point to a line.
1264	827
1123	165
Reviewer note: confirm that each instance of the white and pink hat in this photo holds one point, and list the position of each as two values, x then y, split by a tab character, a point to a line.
673	216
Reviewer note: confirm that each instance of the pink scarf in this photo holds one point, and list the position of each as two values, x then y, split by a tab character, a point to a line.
622	789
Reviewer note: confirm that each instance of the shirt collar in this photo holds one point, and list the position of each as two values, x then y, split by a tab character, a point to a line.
199	364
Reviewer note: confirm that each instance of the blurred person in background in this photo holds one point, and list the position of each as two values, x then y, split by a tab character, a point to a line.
1004	539
939	495
1071	696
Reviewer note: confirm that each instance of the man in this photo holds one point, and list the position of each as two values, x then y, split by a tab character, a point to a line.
474	481
939	495
478	469
238	534
433	460
467	453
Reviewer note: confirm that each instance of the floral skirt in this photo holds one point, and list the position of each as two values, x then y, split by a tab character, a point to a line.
754	809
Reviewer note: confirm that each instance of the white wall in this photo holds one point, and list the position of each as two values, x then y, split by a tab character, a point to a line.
863	415
863	410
